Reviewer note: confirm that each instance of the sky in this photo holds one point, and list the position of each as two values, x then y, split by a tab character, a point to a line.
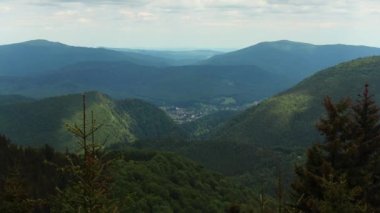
193	24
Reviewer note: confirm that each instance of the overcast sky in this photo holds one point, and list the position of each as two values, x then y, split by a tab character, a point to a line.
190	23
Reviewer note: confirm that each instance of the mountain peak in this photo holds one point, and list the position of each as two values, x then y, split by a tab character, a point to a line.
42	42
284	44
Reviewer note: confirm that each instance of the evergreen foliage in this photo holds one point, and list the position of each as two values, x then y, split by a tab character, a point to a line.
165	182
89	185
15	198
28	177
138	180
340	174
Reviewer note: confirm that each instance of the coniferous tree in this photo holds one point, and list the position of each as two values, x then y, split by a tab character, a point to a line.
342	172
322	158
88	191
366	149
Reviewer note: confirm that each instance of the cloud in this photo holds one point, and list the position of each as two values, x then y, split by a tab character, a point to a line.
4	9
191	20
247	7
134	3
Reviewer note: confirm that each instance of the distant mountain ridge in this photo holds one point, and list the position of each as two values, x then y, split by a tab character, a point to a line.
12	99
41	68
41	56
41	43
288	119
294	59
168	85
176	57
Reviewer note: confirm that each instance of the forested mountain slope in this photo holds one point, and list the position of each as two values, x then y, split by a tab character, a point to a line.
289	118
43	121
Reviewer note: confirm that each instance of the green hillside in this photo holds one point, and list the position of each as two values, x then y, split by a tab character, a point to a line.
43	121
294	59
288	119
163	182
202	127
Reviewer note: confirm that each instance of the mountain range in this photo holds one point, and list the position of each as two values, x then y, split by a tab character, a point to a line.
171	85
40	68
294	59
42	56
176	57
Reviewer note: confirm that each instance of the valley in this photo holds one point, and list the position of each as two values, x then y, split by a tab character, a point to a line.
181	127
206	106
186	114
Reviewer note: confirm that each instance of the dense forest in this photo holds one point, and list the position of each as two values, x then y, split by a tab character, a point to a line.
338	174
287	119
96	179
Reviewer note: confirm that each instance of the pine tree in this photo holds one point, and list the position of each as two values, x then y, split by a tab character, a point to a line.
366	148
88	191
343	172
323	159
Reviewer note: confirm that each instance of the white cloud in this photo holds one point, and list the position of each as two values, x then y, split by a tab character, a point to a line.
189	22
4	9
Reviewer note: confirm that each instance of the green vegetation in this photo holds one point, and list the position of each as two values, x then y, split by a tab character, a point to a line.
162	182
28	176
244	163
241	164
339	174
141	181
202	127
89	184
342	173
43	121
288	119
